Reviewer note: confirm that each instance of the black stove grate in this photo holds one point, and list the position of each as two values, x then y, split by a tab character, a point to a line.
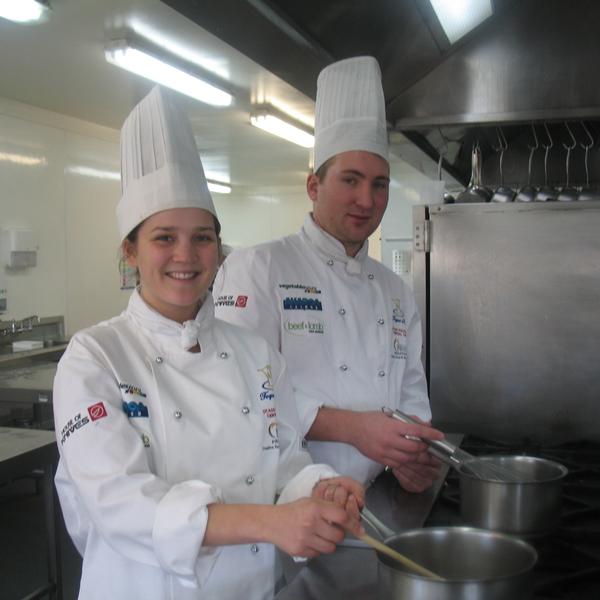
569	558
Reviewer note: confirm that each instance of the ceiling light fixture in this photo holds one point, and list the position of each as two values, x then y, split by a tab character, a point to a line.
23	11
269	119
148	64
458	17
218	187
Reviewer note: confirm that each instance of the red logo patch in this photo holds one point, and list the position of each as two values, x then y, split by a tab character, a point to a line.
241	301
97	411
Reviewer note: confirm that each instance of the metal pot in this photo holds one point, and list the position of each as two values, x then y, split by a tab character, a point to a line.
528	507
475	191
475	564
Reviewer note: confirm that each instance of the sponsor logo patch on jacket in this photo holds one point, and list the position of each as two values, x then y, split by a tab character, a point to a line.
267	386
304	327
135	409
225	301
74	424
241	301
307	289
97	411
134	390
399	350
302	304
397	312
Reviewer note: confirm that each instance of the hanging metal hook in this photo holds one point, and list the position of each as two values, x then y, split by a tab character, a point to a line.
532	150
587	148
587	132
442	153
502	146
535	138
547	147
568	149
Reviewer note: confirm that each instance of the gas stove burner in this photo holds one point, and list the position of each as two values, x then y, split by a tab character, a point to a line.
569	556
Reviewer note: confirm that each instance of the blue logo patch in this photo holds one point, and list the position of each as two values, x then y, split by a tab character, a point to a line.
135	409
302	304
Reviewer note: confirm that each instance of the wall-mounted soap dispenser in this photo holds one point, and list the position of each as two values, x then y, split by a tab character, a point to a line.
19	248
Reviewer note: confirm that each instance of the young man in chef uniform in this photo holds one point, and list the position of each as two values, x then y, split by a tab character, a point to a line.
178	432
347	326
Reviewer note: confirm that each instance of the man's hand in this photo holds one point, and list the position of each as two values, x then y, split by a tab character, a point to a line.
419	475
384	440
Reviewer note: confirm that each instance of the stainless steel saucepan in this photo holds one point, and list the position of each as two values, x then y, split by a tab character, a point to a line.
475	565
512	494
528	507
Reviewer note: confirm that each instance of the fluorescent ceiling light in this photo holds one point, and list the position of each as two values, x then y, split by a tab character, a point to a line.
21	159
277	124
141	62
93	172
218	187
22	11
458	17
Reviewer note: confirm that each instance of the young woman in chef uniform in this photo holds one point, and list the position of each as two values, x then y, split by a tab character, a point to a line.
181	467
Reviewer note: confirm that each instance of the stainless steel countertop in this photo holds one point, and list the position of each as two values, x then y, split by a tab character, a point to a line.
8	356
22	450
350	573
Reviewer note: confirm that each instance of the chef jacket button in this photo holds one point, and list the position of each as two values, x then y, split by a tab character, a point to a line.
342	311
381	373
304	443
380	321
249	480
178	414
371	276
343	367
158	359
223	355
254	549
330	262
245	410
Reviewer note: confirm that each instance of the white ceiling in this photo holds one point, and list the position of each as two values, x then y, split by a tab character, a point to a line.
59	65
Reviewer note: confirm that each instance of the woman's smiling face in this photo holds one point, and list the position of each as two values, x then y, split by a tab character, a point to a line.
176	253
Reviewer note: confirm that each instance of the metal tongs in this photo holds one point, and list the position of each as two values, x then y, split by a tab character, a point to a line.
442	449
455	457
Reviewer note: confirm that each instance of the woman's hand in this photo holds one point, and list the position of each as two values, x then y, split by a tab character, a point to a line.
340	490
312	526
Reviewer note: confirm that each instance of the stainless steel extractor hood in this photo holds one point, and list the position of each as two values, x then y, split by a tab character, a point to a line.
532	61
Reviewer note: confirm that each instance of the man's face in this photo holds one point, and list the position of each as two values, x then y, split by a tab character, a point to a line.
349	202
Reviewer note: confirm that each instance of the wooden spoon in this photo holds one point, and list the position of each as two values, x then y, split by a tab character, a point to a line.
407	562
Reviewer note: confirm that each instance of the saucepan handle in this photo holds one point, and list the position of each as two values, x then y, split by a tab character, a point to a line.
383	530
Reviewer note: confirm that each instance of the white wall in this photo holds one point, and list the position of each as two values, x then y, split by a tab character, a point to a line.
72	214
409	187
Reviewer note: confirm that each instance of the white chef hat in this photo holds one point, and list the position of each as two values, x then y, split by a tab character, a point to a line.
160	164
350	110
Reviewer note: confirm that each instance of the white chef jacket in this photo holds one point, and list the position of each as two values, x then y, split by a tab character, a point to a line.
348	328
149	434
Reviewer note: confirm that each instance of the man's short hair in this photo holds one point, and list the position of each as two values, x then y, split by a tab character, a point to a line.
322	170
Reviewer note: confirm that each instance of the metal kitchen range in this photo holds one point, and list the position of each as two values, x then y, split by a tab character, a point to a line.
568	564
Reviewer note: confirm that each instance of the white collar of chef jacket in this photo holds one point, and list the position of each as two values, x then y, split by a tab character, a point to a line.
183	336
333	249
